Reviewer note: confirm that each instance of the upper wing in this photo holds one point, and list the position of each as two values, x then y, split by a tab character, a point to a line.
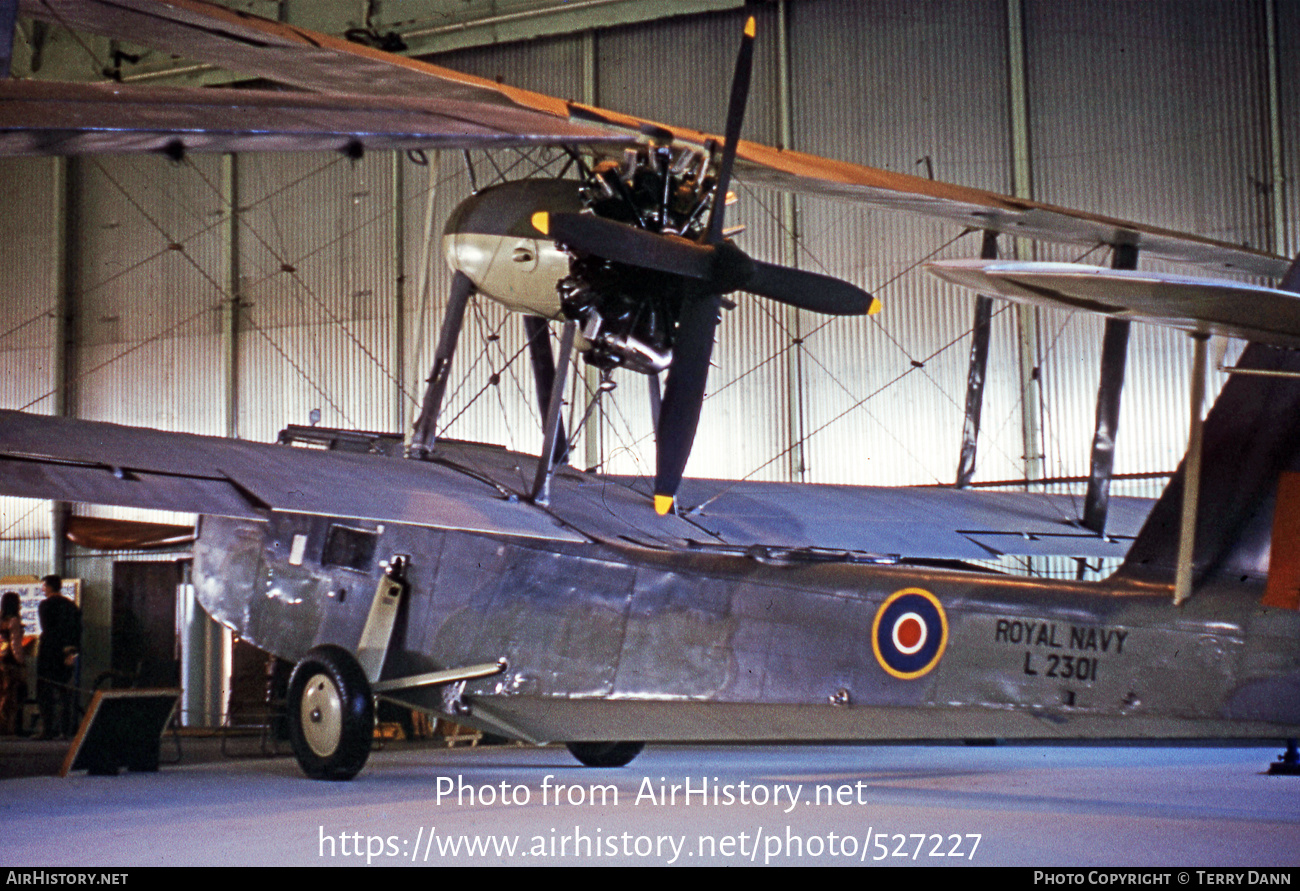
318	62
47	118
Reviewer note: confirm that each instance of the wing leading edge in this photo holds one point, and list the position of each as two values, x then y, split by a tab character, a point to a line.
291	55
46	118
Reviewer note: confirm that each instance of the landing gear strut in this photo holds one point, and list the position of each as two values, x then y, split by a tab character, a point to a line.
1288	763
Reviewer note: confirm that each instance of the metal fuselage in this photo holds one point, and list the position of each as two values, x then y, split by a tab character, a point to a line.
608	642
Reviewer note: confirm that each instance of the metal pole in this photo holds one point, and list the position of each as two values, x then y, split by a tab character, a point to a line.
230	312
397	328
1275	133
538	332
1183	576
976	372
1110	389
790	249
594	427
545	467
67	185
422	271
1022	187
426	424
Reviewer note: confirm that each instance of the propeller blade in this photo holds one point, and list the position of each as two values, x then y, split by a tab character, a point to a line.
679	415
735	117
627	244
723	267
809	290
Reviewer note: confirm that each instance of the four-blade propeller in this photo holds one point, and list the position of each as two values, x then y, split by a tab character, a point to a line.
706	269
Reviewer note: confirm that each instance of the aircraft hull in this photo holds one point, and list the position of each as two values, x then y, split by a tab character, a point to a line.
608	642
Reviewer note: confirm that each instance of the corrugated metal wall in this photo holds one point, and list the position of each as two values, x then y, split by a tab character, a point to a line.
27	334
1156	111
1288	38
1144	111
896	86
316	292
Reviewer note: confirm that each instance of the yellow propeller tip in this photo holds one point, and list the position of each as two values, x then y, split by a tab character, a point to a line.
875	307
663	504
750	27
542	222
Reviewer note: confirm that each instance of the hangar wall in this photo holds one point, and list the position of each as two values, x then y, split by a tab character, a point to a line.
236	295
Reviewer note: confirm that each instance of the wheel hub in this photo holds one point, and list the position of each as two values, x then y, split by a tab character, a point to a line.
322	713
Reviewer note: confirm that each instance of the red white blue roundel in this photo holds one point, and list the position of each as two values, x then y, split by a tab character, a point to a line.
909	633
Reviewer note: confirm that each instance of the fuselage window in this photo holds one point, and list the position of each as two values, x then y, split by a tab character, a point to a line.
352	548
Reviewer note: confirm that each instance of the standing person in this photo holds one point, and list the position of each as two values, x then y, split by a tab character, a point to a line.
13	668
60	643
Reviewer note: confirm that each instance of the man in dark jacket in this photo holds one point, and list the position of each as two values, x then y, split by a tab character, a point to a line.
60	644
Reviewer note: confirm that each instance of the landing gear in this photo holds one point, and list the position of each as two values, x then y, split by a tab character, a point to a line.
605	754
331	714
1288	763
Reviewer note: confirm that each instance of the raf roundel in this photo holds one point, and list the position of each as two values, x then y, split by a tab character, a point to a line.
909	633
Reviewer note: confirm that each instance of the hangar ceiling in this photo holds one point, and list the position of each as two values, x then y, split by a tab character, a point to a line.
407	27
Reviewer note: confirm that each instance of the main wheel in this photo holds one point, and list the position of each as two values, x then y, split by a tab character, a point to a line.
605	754
331	714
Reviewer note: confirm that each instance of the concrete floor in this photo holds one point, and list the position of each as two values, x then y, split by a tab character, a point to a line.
1026	805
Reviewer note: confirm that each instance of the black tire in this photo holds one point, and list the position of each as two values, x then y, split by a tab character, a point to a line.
331	714
605	754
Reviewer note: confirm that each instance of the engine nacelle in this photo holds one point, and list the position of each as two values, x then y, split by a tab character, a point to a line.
491	239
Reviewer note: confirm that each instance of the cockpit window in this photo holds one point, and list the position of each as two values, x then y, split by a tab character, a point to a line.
351	548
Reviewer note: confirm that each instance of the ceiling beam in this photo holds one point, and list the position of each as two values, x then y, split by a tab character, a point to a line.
425	28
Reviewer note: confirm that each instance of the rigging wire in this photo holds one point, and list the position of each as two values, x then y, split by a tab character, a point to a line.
82	292
801	342
293	270
882	388
14	525
127	270
220	289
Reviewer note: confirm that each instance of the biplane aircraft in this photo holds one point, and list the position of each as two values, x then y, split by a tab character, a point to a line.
591	610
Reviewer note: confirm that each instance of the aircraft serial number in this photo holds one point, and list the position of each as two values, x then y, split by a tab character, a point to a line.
1078	668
